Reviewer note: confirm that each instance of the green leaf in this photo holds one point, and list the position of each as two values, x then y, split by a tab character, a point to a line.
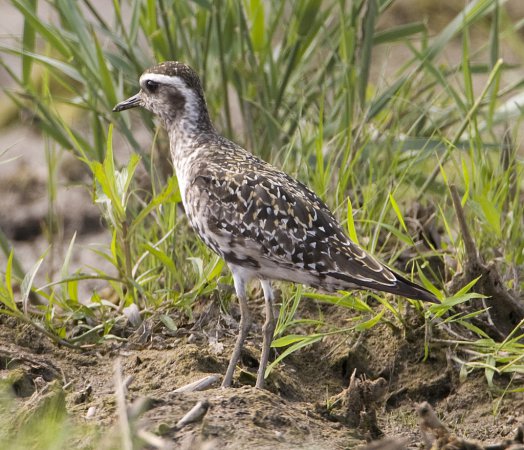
385	97
79	25
27	283
398	212
398	33
9	300
393	230
348	301
48	33
72	291
492	214
467	288
466	70
351	223
49	62
28	44
168	322
170	193
466	175
105	78
67	257
442	308
298	344
214	268
368	324
257	29
284	341
164	259
471	13
307	16
125	177
473	328
368	31
490	370
429	285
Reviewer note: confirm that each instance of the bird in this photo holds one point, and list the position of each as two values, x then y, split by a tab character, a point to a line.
265	224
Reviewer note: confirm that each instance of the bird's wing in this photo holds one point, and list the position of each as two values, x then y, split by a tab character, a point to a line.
265	216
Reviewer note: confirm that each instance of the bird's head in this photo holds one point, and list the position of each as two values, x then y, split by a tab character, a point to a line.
172	91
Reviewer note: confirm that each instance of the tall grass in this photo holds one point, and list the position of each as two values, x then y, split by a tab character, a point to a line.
292	82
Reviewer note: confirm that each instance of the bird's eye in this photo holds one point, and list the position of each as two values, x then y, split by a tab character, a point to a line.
151	86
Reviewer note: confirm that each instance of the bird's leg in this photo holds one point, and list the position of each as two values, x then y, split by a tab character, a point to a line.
267	332
245	323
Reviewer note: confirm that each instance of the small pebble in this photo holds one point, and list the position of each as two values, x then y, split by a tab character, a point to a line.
91	412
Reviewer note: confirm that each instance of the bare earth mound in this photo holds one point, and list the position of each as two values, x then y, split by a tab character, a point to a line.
307	405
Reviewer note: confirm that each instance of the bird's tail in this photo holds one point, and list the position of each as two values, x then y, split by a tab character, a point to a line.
393	284
408	289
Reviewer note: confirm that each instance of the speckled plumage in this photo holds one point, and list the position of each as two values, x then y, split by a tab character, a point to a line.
255	216
264	223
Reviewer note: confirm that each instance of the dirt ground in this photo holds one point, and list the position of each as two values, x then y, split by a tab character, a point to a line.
292	413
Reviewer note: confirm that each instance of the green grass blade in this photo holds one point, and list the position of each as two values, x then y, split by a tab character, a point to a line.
351	223
9	299
106	80
396	208
367	47
48	33
27	284
398	33
28	44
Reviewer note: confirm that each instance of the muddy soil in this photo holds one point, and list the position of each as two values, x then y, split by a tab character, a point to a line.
300	409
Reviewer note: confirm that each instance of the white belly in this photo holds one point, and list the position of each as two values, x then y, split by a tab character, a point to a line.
182	186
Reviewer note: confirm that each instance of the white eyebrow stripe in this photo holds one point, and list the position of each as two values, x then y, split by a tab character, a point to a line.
191	105
163	79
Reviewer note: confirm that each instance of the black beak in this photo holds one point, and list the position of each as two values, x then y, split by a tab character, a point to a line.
131	102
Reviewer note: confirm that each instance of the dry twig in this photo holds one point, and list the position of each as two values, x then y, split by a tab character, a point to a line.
123	419
199	385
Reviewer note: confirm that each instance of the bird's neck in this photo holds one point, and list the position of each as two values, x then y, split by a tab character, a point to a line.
187	136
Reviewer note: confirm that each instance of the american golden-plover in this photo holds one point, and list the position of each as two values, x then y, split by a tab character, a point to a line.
265	224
